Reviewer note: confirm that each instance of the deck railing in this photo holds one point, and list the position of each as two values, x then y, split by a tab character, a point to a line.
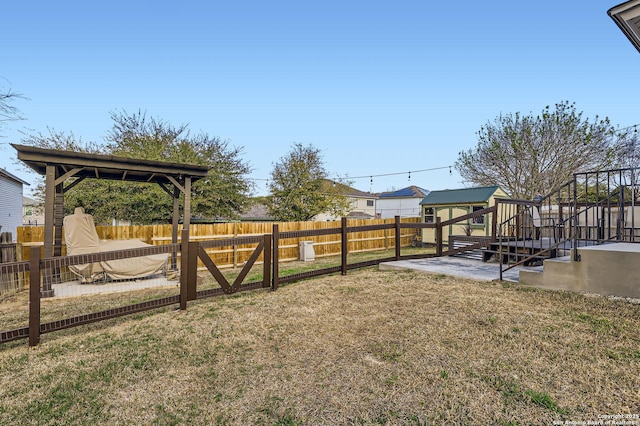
593	208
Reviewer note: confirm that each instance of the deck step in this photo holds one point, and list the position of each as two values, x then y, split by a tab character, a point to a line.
470	254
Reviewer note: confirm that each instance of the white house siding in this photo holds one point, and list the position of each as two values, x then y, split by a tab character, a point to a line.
11	205
357	204
403	207
365	205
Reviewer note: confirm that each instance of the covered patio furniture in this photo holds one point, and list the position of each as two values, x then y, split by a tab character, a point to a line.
81	238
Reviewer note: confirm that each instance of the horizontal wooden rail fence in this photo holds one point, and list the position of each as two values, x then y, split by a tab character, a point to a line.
375	235
277	243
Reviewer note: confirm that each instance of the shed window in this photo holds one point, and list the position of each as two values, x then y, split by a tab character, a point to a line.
369	203
479	220
428	215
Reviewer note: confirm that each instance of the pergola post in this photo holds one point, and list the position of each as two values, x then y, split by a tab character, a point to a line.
186	220
174	224
50	197
58	219
49	209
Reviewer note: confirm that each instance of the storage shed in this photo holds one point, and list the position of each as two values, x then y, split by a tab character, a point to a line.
451	203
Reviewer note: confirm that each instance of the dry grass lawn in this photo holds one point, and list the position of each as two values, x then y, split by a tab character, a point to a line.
371	347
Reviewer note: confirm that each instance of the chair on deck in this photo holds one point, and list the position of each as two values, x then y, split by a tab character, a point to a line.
536	222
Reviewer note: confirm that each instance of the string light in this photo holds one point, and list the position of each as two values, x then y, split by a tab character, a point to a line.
398	173
370	177
634	126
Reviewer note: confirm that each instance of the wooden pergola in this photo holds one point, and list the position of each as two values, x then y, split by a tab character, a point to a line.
60	166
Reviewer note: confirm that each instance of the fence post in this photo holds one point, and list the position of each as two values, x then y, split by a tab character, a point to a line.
438	236
386	238
276	257
192	267
266	264
235	247
560	224
344	241
397	228
184	267
34	296
494	222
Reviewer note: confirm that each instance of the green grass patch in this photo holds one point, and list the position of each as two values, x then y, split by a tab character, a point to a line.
598	324
544	400
513	393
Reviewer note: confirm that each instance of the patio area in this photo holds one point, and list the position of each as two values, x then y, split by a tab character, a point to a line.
76	288
459	267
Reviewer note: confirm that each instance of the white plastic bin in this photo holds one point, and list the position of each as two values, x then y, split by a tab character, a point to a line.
307	254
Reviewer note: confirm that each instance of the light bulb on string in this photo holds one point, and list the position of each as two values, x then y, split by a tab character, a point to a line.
384	174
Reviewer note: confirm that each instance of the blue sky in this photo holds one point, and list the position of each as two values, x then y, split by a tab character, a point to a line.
379	87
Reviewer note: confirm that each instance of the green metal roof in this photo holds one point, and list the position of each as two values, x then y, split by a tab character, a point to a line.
460	196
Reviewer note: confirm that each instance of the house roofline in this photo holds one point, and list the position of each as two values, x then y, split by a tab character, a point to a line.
627	17
5	173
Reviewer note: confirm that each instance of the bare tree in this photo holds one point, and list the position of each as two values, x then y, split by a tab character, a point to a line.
531	155
9	112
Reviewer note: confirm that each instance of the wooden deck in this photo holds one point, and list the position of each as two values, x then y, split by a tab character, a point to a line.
522	249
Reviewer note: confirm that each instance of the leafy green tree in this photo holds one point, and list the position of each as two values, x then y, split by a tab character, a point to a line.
531	155
299	187
91	193
223	194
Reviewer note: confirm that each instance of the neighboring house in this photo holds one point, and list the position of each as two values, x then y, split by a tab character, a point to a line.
451	203
404	202
11	205
32	212
258	212
362	205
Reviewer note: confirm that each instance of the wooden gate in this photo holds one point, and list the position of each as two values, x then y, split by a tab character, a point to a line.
197	250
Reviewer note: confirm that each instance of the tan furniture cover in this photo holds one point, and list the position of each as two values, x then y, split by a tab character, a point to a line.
81	238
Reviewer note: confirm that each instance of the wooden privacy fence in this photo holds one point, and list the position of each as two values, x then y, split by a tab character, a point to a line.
232	256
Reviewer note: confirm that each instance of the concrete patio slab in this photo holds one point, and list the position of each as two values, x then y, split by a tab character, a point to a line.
75	288
459	267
